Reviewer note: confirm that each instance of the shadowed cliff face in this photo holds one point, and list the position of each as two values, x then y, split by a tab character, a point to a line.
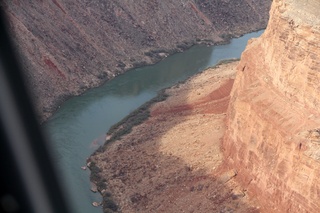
273	139
69	46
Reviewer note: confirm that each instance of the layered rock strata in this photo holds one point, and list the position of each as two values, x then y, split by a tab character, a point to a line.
69	46
273	135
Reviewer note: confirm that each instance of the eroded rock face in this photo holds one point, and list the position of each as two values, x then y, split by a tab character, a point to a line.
273	136
69	46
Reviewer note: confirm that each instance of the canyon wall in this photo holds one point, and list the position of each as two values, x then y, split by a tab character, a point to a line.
273	136
69	46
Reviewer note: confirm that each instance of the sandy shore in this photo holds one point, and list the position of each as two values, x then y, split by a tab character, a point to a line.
172	162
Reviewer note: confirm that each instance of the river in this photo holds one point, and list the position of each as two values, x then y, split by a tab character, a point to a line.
82	122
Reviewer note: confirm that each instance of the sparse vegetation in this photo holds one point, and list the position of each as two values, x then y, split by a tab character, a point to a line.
94	177
109	205
142	113
122	128
184	46
135	118
139	64
107	211
226	36
101	185
226	61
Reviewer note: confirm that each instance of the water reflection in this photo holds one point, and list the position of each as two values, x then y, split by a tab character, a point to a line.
166	72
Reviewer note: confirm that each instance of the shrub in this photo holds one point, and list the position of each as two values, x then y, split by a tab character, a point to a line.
107	211
109	204
133	119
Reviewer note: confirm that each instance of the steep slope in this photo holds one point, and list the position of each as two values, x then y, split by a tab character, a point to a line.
69	46
169	162
273	135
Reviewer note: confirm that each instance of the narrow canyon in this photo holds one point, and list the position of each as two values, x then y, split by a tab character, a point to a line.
241	137
67	47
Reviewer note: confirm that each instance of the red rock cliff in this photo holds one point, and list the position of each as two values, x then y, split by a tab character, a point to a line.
273	136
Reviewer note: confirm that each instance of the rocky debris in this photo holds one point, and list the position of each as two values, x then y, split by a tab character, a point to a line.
314	135
225	177
94	188
96	204
69	46
237	193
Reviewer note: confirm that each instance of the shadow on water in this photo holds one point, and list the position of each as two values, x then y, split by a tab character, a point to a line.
82	120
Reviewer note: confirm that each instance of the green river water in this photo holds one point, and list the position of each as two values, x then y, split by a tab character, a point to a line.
82	122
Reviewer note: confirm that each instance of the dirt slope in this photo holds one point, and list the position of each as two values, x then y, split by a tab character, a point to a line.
271	134
69	46
171	162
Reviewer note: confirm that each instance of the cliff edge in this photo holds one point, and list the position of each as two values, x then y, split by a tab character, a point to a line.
273	135
271	126
69	46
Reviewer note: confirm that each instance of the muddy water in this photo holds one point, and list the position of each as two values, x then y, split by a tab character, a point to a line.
79	126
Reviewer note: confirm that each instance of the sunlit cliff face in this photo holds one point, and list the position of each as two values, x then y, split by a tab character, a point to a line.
273	136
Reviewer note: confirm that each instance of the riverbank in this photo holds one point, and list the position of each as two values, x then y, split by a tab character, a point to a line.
75	54
83	120
172	161
150	57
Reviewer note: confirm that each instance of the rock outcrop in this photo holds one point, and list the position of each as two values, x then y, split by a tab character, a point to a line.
69	46
273	136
